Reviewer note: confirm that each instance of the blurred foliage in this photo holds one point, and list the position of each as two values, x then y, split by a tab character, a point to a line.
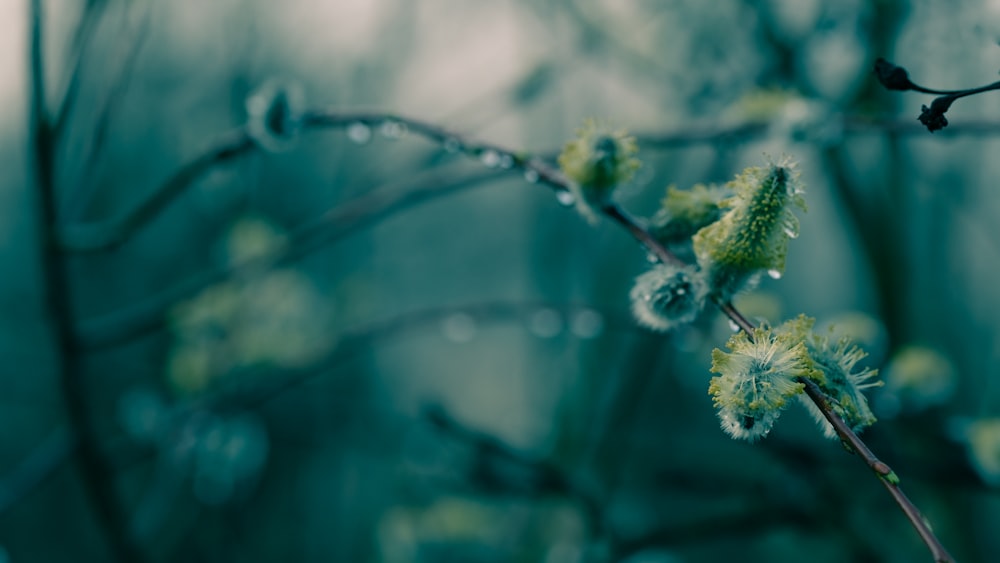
455	376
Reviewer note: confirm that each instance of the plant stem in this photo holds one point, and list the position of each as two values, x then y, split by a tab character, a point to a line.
95	471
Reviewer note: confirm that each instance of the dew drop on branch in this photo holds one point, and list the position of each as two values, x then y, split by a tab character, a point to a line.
490	158
733	326
359	133
587	324
774	274
452	145
545	323
459	328
530	176
565	198
393	129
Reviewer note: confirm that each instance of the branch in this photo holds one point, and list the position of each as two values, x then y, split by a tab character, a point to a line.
885	473
77	199
94	469
99	237
361	212
108	235
81	42
894	77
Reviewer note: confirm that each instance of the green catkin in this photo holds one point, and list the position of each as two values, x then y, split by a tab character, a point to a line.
752	235
596	162
668	296
757	378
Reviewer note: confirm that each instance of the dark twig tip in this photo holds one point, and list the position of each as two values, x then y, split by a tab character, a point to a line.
933	117
893	77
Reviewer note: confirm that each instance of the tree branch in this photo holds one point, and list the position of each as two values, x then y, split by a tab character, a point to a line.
95	472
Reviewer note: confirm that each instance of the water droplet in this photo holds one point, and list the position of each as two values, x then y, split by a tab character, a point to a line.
490	158
651	258
733	326
452	145
775	274
359	133
506	161
545	323
565	198
792	233
530	176
680	291
393	129
587	324
459	327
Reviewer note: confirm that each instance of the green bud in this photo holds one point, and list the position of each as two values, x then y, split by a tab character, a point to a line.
683	213
837	376
668	296
752	235
756	379
596	162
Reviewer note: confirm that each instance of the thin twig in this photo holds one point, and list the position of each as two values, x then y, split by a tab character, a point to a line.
110	234
59	449
887	476
137	320
91	237
78	198
85	32
96	473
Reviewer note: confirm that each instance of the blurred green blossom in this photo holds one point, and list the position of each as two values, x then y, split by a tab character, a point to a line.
274	317
917	378
596	161
982	438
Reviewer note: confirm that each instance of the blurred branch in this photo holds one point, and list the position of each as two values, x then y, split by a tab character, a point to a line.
77	199
95	472
82	38
338	222
760	519
360	338
98	237
32	471
62	445
108	235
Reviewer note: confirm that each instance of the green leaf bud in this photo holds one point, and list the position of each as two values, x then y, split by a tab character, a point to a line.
595	162
668	296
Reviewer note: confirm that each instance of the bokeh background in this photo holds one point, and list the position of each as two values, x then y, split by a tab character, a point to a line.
442	365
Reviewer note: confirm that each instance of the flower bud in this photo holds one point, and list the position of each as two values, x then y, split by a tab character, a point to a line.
668	296
756	379
752	235
596	162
